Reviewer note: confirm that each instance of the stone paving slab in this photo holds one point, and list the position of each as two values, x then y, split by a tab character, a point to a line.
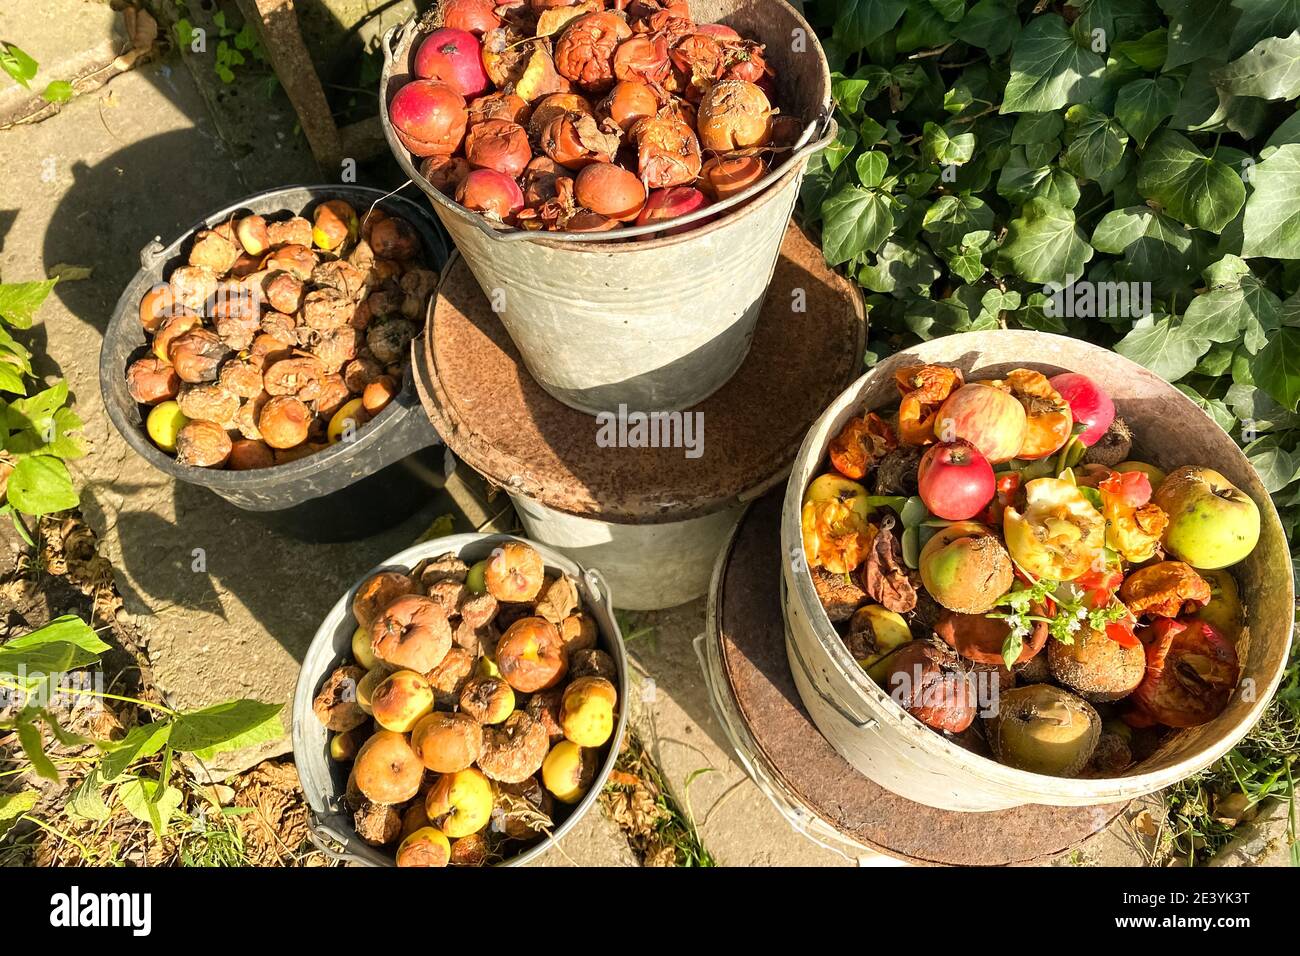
69	39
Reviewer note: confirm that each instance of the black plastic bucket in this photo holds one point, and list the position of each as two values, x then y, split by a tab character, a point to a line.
347	492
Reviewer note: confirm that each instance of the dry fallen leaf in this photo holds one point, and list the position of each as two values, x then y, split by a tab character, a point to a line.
1145	824
141	33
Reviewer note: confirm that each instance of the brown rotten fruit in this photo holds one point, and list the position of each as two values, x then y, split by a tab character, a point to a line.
499	144
413	632
610	191
284	422
514	750
575	140
445	173
197	355
336	705
489	700
668	152
585	51
1043	729
928	680
151	380
387	770
980	638
203	445
447	742
515	572
377	592
735	114
531	655
247	454
1096	667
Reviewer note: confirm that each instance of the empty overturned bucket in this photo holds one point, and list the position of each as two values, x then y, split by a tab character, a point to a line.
651	519
602	319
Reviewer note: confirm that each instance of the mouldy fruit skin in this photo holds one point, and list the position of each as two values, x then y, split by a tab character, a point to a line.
587	711
1113	446
209	402
531	655
585	51
447	742
460	803
668	152
284	422
197	355
387	770
734	115
400	700
544	707
489	700
1212	523
499	106
445	173
927	680
514	750
515	572
150	381
378	591
172	328
875	631
202	445
335	704
1191	673
449	677
1096	667
427	846
568	771
377	823
472	850
499	144
1043	729
578	632
412	632
592	662
965	568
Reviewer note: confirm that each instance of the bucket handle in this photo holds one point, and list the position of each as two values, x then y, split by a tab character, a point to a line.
818	134
326	839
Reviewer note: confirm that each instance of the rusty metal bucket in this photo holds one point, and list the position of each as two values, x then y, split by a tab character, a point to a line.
602	319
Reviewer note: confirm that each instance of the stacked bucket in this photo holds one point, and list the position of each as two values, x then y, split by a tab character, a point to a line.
602	326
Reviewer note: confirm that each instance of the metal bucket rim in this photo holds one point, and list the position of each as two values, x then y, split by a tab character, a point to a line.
217	479
817	134
1036	787
316	791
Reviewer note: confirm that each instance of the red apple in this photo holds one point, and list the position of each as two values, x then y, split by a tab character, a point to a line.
987	417
1088	404
956	482
454	57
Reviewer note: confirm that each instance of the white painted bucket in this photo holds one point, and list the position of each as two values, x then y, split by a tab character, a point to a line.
885	743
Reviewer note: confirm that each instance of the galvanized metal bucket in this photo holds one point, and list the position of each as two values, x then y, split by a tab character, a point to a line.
659	324
882	741
324	780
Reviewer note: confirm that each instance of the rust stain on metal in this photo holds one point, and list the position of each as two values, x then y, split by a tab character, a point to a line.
754	658
491	412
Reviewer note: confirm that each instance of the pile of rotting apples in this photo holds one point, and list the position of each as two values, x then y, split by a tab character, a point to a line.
280	336
476	709
585	115
995	558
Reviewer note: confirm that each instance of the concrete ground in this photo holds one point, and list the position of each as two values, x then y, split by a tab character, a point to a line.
145	156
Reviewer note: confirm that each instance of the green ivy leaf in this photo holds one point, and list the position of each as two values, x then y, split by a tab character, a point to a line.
1144	104
943	148
1147	51
862	21
900	266
1240	307
1049	69
1155	247
1096	142
922	28
1261	19
1037	128
871	168
1198	28
991	25
1162	347
41	485
1044	245
1192	187
1276	368
1270	70
857	221
1272	224
952	217
20	300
